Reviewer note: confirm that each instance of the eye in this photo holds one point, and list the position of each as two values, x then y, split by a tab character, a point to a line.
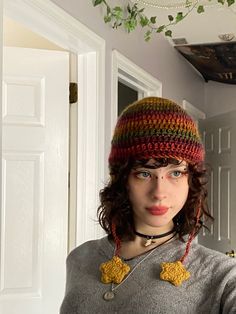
143	174
177	174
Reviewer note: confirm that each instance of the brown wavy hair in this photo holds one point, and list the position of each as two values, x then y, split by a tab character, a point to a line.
116	208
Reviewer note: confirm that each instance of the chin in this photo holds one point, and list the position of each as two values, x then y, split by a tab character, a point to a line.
160	223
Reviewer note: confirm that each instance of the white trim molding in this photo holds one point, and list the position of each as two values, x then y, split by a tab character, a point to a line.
50	21
193	111
46	18
1	101
130	74
90	167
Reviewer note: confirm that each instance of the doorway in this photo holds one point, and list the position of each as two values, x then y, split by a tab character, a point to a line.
129	83
47	20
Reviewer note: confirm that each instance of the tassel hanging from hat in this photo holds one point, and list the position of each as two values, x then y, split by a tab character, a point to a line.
175	272
114	270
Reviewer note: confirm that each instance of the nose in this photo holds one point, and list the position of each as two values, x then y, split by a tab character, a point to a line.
159	188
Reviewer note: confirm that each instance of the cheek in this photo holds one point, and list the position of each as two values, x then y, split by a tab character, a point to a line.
132	195
135	193
182	194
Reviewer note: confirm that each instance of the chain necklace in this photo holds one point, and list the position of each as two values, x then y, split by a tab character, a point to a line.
110	295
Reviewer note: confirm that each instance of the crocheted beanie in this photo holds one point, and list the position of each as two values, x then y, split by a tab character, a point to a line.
155	128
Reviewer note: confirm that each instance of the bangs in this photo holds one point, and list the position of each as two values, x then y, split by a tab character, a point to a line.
156	162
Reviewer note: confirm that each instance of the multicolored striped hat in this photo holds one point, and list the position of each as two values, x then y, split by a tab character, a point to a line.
155	128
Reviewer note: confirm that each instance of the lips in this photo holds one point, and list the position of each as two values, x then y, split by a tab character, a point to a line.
157	210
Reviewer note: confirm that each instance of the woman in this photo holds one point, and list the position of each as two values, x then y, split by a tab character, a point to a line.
151	210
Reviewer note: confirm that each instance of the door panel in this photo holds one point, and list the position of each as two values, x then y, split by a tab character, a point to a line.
35	180
219	135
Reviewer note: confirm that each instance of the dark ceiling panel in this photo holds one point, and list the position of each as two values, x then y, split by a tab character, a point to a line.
216	62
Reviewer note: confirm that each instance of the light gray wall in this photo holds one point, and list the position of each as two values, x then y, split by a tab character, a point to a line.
157	57
219	98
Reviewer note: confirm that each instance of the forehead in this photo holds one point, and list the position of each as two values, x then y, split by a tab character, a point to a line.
161	162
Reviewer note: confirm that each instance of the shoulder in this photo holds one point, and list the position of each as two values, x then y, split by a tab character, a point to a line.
89	249
204	252
217	261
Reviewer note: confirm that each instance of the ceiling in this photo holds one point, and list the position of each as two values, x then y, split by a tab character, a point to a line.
199	28
215	61
197	38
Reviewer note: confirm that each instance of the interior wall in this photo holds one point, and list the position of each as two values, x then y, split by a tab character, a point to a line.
157	57
219	98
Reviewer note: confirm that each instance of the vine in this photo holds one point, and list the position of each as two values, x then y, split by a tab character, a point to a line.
131	15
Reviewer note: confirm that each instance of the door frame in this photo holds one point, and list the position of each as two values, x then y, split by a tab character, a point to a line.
50	21
1	63
130	74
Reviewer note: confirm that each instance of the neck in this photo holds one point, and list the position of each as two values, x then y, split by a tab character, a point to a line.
152	239
148	230
155	236
131	249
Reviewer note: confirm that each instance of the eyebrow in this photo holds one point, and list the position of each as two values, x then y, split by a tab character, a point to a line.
171	166
177	166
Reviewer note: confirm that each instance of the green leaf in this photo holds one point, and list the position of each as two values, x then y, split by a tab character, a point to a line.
147	35
168	33
153	19
116	24
117	9
117	12
144	21
108	10
128	8
97	2
134	11
221	1
179	17
230	2
130	25
107	18
160	29
171	18
189	3
141	10
200	9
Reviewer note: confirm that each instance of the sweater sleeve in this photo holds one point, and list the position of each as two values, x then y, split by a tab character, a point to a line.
69	304
228	300
69	267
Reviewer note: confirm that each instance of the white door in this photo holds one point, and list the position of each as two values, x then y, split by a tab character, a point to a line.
220	142
35	181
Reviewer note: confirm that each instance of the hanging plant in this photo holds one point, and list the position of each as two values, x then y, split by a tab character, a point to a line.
130	16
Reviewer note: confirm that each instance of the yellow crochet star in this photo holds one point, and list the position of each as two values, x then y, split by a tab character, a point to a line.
114	270
174	272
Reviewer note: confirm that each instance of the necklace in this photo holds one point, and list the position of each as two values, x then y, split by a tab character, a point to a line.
110	295
150	238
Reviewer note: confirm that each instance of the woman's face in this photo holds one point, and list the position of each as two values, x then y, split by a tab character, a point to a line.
157	195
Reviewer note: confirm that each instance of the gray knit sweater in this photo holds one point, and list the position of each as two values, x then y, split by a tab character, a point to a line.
211	288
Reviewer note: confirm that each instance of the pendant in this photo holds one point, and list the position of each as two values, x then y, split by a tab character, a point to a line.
148	242
109	295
